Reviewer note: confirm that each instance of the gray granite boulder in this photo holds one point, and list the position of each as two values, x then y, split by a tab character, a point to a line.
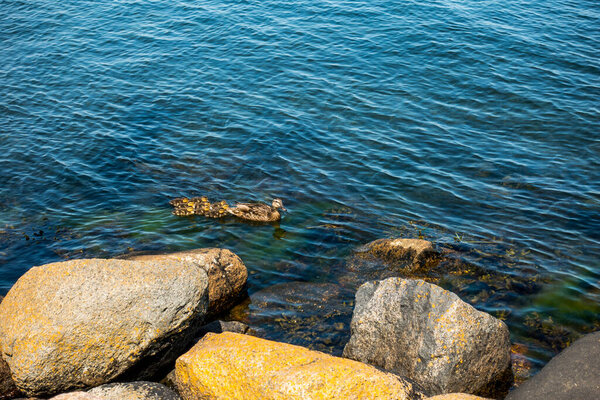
421	331
82	323
574	374
227	274
140	390
76	396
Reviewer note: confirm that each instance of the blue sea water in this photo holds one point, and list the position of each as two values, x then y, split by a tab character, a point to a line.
472	123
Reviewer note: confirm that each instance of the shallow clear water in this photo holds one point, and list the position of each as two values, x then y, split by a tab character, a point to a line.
475	124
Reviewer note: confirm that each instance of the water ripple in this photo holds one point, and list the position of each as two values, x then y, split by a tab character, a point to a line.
454	120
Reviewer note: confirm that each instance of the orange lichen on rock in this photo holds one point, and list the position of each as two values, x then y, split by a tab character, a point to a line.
234	366
81	323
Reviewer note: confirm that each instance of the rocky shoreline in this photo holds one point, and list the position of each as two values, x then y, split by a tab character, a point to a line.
115	328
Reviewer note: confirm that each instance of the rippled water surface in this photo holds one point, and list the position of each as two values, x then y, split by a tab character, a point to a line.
474	124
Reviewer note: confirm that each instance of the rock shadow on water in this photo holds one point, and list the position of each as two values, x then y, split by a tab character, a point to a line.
313	315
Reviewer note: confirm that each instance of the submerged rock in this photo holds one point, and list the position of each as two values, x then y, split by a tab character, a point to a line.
385	258
410	255
140	390
81	323
227	274
314	315
574	374
423	332
521	366
417	252
234	366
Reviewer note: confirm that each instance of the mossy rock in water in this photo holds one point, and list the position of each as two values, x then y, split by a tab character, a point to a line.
385	258
442	264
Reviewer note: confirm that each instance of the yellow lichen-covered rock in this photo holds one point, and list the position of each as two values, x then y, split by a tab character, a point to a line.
134	391
227	274
234	366
81	323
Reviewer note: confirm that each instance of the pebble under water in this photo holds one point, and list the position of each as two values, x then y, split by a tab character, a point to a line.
473	124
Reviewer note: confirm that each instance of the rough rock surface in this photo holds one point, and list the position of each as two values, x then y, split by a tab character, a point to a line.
140	390
213	327
455	396
234	366
76	396
423	332
574	374
412	253
82	323
227	274
8	389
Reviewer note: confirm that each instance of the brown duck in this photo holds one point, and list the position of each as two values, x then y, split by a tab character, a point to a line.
259	212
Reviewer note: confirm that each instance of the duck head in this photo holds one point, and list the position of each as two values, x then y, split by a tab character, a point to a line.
277	203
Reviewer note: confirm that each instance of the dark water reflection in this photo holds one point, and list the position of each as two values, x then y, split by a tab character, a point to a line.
474	125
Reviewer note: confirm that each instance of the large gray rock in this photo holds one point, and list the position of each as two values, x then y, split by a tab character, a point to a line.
421	331
76	396
140	390
227	274
574	374
82	323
